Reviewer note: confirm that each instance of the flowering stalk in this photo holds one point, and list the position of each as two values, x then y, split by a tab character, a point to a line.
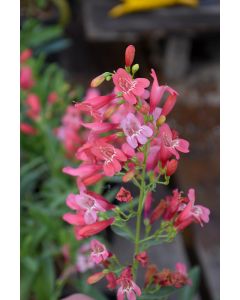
129	137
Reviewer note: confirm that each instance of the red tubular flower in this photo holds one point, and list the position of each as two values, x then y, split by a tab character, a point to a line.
26	78
124	195
112	280
170	145
191	213
147	204
99	127
171	167
83	171
129	55
142	258
158	211
27	129
92	229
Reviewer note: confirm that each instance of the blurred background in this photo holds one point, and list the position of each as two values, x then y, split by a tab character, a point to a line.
64	44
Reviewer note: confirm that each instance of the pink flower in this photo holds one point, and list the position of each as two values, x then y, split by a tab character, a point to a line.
111	157
157	93
88	204
26	78
170	146
27	129
34	107
112	280
52	97
129	55
135	132
91	106
84	262
191	213
99	252
127	286
25	55
128	86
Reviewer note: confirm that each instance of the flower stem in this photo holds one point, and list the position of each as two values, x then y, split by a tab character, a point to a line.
140	208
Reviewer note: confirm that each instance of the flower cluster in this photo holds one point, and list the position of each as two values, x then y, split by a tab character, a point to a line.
129	137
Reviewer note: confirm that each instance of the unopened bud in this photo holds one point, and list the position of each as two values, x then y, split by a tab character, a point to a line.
135	68
129	55
97	81
108	78
128	176
161	120
95	277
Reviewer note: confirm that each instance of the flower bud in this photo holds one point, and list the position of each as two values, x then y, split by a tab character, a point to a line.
97	81
25	55
161	120
135	68
129	55
171	167
95	277
128	176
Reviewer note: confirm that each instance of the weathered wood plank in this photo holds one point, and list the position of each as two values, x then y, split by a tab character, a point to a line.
99	26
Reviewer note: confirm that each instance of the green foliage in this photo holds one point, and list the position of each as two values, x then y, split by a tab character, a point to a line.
42	39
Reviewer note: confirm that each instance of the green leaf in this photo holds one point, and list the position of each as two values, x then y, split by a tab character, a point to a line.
123	231
189	291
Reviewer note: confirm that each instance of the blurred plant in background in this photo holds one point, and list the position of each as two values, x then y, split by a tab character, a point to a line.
50	255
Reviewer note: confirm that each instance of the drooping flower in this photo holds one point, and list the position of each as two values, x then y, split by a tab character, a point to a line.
129	55
156	96
190	213
92	229
124	195
99	252
134	131
128	86
112	280
92	106
142	258
127	286
169	145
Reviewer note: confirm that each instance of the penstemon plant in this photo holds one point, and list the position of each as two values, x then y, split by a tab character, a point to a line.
130	139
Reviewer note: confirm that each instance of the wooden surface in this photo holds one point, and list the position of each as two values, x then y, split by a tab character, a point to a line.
99	26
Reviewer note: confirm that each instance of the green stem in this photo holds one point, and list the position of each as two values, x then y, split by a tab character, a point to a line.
139	211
